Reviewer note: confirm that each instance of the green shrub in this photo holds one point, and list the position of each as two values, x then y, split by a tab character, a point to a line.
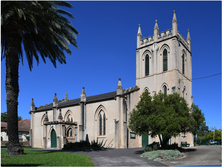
77	144
6	144
152	147
162	154
172	146
96	143
85	145
158	159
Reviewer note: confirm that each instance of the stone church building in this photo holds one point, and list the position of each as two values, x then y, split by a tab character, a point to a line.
163	63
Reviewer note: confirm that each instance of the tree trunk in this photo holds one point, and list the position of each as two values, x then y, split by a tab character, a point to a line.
161	142
12	90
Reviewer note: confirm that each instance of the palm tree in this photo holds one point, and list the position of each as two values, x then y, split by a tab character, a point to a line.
38	28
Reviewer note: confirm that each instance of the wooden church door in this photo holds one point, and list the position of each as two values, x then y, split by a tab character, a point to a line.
53	139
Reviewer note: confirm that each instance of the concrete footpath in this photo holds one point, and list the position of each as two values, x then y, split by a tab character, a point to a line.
200	155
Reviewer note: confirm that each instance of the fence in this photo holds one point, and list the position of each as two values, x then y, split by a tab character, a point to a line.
207	142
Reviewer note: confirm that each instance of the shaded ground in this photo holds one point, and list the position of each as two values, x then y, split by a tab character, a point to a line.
120	157
114	157
200	155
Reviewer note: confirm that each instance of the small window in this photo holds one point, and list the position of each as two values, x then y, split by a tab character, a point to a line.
165	90
147	65
132	135
20	134
69	133
165	67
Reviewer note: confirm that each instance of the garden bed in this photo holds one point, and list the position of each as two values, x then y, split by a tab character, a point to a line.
161	155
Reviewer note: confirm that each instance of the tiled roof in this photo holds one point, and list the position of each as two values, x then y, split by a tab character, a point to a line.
23	125
3	125
72	102
89	99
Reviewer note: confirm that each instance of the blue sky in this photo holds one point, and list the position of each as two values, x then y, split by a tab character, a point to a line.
107	51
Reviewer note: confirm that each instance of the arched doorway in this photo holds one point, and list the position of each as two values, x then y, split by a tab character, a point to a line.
53	139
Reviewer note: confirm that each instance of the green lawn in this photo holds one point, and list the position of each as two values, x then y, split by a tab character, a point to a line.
23	147
45	158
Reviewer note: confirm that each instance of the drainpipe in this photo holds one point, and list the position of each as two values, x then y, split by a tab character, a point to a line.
84	110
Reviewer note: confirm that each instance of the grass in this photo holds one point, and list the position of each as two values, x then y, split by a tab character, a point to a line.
45	158
23	147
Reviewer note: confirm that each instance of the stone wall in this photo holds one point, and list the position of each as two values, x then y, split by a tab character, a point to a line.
26	143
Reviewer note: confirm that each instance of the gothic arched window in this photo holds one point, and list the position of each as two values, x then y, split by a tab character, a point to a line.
183	65
102	124
165	67
165	90
147	65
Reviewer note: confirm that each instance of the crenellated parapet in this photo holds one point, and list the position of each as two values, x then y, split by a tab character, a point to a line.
164	35
161	36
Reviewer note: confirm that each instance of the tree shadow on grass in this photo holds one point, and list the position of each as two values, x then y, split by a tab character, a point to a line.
21	165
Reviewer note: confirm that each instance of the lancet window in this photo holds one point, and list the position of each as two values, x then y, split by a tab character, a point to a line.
183	65
147	65
165	65
102	123
165	90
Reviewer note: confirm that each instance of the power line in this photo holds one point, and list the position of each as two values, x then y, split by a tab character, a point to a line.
207	76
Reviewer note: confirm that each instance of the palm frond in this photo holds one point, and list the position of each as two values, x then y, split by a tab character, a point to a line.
43	28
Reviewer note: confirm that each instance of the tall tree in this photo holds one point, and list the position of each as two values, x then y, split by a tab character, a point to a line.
40	28
199	125
162	116
4	117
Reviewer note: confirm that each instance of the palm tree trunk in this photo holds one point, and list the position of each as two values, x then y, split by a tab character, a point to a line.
12	90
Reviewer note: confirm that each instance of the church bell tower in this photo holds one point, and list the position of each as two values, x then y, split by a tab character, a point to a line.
164	62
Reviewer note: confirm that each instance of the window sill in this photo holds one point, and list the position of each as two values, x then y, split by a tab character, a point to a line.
101	136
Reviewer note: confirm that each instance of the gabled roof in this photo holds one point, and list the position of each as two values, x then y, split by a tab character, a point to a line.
73	102
24	125
89	99
3	125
